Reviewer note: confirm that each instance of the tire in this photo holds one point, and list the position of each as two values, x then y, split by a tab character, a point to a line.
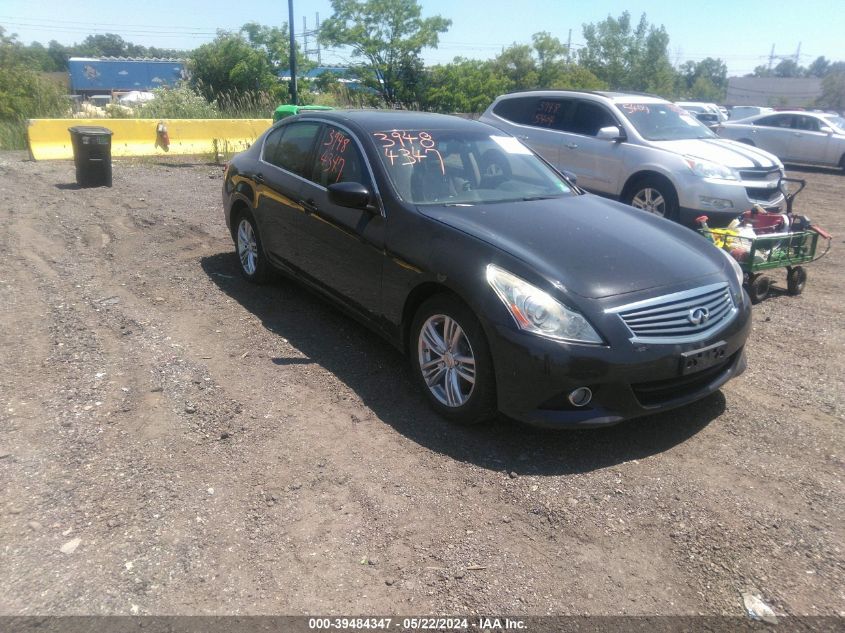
458	378
842	163
758	288
796	279
654	195
252	262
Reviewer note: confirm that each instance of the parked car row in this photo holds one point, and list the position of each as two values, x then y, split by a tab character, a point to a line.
642	150
508	286
799	136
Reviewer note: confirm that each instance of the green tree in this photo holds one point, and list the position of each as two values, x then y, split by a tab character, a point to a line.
833	91
465	85
706	80
819	68
627	57
229	64
789	68
389	36
517	64
23	93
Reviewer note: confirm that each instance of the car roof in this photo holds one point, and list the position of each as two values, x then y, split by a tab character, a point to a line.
615	97
377	120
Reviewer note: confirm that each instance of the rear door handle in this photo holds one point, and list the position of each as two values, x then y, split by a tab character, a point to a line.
572	145
259	178
522	137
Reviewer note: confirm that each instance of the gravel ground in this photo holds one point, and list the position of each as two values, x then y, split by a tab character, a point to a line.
175	441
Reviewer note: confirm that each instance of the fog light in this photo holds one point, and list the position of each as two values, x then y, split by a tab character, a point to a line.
715	203
580	397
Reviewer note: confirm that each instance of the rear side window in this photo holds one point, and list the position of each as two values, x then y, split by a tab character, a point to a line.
519	110
271	145
337	159
547	113
294	148
589	118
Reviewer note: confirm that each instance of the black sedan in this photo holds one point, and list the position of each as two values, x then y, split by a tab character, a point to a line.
509	288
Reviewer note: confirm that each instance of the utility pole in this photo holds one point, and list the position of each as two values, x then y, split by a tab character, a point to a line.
798	54
569	47
293	95
771	57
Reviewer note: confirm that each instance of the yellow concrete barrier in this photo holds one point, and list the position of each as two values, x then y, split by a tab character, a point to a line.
49	139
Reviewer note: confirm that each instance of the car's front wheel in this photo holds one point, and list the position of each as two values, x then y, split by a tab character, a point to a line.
253	264
654	195
451	360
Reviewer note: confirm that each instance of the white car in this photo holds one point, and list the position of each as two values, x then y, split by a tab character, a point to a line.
643	151
815	138
698	107
743	112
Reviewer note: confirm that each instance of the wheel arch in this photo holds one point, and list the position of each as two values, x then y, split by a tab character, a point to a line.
641	175
415	299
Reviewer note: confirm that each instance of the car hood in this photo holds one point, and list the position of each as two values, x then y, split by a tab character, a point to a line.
722	151
588	245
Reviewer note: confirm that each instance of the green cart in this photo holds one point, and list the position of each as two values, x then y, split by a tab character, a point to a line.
790	249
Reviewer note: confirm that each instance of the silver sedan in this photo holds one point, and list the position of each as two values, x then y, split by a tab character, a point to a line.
801	137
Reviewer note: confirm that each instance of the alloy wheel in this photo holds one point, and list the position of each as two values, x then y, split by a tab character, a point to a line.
446	360
247	247
651	200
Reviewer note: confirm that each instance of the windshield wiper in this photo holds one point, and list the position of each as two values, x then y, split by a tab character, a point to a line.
546	197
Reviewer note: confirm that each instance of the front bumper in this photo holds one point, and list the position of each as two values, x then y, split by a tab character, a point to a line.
535	375
704	196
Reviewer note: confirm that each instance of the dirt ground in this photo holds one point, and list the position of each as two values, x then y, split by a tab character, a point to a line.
176	441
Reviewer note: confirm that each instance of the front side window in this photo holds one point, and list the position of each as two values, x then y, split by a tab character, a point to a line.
775	120
519	110
663	121
464	167
807	123
294	147
337	159
590	118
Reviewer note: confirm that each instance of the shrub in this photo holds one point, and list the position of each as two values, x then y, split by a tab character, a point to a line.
178	103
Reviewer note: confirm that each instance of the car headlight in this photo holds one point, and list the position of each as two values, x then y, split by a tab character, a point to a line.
709	169
740	275
538	312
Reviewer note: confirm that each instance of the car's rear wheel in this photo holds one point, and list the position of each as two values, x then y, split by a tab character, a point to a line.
451	360
654	195
253	263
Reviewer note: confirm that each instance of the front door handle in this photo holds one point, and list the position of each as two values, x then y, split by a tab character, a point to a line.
522	137
259	178
572	145
310	205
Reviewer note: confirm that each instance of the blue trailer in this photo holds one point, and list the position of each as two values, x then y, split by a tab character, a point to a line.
89	75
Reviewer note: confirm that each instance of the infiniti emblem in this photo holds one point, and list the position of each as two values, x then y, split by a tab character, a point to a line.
697	316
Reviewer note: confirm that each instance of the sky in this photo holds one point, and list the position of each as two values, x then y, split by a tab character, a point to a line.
740	33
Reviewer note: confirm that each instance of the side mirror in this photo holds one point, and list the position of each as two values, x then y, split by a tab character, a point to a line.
353	195
826	130
611	133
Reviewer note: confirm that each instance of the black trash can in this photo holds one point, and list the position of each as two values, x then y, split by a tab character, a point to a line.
92	155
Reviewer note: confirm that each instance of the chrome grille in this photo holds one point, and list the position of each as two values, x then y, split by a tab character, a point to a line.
772	174
688	316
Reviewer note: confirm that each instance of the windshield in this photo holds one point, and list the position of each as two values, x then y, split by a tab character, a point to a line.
663	121
464	167
837	122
